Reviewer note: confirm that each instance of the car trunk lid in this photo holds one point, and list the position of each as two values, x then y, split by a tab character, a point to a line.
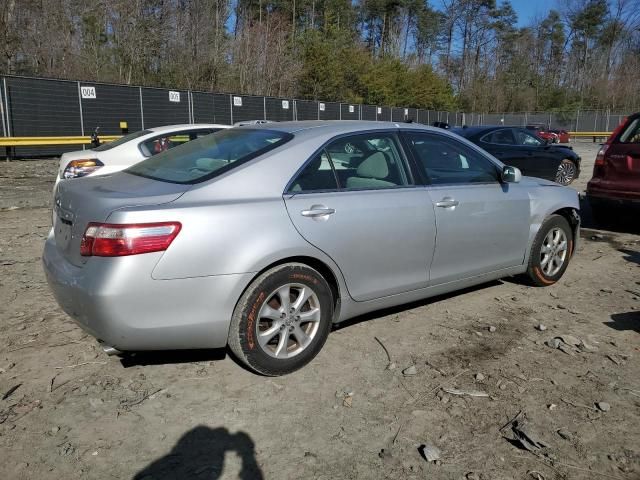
80	201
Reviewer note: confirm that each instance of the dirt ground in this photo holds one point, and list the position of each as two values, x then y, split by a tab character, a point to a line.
77	413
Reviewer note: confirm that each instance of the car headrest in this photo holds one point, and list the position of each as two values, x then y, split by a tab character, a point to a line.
374	166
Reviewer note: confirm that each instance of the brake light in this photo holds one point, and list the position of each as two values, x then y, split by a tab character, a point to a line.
118	240
81	168
601	154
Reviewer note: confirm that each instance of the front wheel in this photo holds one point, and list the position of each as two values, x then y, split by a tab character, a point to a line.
567	172
282	320
551	251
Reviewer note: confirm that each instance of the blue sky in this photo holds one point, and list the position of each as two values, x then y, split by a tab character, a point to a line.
528	10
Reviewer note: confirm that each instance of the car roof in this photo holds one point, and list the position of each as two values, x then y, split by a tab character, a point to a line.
185	126
336	127
471	131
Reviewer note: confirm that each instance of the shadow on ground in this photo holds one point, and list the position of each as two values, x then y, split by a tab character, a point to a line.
167	357
622	220
200	453
625	321
420	303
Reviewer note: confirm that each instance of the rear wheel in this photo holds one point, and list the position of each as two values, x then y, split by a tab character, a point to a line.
282	320
551	251
567	172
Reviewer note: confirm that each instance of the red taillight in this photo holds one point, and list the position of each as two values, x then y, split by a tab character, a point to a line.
601	154
117	240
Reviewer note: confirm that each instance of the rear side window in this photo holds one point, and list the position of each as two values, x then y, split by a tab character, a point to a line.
355	162
209	156
317	176
162	143
499	137
127	138
631	133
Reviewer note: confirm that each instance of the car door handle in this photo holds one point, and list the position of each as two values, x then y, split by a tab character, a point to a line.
317	211
447	202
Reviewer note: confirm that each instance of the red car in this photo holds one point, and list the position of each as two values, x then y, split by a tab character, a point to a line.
544	133
563	135
616	174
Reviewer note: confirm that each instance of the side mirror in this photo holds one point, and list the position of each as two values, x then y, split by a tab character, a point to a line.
511	174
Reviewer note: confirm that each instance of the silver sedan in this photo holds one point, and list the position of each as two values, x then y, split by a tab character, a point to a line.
262	237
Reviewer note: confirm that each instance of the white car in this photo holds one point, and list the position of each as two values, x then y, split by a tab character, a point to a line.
130	149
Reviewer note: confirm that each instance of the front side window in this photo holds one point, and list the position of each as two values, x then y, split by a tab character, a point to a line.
164	142
448	161
499	137
209	156
526	139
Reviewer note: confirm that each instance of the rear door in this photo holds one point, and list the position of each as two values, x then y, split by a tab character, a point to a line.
356	201
482	225
623	157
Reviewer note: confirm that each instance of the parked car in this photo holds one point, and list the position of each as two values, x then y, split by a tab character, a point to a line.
130	149
542	132
523	149
251	122
616	173
262	237
563	135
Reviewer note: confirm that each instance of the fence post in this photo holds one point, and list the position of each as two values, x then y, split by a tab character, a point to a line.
189	112
608	114
4	125
264	109
577	116
595	122
6	98
81	116
141	108
340	111
231	106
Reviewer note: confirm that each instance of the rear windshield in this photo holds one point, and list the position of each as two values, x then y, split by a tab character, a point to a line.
108	146
209	156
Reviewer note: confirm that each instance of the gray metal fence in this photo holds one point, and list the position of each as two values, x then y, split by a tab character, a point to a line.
47	107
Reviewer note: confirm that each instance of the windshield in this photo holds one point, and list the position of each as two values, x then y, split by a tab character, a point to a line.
209	156
108	146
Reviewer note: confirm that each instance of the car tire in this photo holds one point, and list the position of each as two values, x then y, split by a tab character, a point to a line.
548	259
567	172
272	335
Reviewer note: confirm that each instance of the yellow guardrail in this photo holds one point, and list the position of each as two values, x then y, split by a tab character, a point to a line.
589	134
44	141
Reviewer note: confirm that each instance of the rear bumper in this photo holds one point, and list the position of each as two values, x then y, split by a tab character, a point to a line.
117	301
597	194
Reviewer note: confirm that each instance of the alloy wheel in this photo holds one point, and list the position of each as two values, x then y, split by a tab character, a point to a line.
288	321
553	252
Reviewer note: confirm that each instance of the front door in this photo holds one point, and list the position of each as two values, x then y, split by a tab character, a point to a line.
482	224
356	202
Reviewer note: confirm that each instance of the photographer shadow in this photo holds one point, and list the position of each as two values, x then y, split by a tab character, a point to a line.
200	453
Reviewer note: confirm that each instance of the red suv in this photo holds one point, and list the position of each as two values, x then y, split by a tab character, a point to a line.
616	174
